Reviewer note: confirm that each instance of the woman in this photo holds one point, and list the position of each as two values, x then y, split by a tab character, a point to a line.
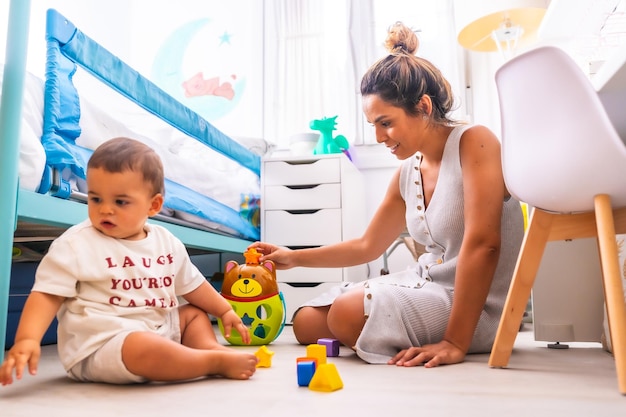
449	193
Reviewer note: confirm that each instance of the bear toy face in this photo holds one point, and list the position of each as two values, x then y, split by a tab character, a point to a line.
251	280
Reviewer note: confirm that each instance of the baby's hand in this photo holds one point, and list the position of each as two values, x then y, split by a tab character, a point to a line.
24	352
230	319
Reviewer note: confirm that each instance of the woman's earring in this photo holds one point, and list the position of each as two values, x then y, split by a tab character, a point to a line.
424	117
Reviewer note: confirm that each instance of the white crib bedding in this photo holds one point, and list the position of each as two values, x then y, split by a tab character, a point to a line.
185	160
32	157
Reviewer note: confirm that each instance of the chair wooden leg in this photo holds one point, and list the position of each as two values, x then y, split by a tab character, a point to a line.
519	292
613	288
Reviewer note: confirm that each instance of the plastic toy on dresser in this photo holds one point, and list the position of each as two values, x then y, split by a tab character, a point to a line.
326	143
252	291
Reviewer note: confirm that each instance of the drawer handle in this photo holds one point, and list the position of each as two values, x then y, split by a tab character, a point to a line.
302	162
302	284
302	187
302	211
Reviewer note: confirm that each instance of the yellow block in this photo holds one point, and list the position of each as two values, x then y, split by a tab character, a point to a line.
326	378
316	351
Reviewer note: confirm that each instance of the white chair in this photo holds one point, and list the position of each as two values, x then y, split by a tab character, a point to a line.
562	155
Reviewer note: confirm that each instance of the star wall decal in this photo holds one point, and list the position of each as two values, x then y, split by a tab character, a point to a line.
225	38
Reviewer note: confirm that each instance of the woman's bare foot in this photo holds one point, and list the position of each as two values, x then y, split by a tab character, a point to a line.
234	365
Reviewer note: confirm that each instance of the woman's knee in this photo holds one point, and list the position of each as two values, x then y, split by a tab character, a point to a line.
346	317
309	324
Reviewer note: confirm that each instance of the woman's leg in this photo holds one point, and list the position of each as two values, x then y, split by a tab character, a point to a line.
346	317
342	320
310	324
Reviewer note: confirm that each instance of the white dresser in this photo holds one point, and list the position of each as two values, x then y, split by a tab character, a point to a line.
307	202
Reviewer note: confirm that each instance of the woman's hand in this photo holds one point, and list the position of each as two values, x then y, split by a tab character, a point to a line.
442	353
281	256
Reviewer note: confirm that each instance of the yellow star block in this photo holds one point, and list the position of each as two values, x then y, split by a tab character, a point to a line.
265	357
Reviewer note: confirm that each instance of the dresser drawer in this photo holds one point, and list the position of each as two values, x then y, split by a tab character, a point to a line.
308	275
321	227
320	196
295	296
299	172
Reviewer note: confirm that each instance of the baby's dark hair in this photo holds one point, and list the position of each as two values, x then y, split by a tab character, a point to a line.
402	78
125	154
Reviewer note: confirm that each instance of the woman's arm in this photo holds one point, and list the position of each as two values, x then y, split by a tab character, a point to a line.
386	225
483	193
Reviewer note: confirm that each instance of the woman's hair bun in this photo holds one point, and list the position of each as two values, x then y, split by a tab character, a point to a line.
400	38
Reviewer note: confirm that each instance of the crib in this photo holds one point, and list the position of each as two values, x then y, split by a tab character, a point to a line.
41	207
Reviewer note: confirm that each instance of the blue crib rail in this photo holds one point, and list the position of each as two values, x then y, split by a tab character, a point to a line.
10	119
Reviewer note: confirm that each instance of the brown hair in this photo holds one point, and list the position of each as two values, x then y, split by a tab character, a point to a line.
125	154
402	78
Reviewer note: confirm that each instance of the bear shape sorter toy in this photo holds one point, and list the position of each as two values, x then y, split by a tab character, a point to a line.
252	291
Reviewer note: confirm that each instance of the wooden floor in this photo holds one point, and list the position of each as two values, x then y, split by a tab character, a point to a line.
579	381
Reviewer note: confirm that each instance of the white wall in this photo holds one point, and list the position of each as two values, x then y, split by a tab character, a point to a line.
95	15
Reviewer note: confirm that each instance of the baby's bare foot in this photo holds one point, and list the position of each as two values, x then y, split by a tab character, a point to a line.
219	347
235	365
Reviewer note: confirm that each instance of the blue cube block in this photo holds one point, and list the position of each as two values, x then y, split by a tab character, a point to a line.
306	370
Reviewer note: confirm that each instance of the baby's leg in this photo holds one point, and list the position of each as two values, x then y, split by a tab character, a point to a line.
160	359
196	329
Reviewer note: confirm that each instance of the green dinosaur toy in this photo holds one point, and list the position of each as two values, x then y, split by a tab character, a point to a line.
326	143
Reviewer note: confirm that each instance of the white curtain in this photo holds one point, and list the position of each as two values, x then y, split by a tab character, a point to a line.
316	52
312	65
